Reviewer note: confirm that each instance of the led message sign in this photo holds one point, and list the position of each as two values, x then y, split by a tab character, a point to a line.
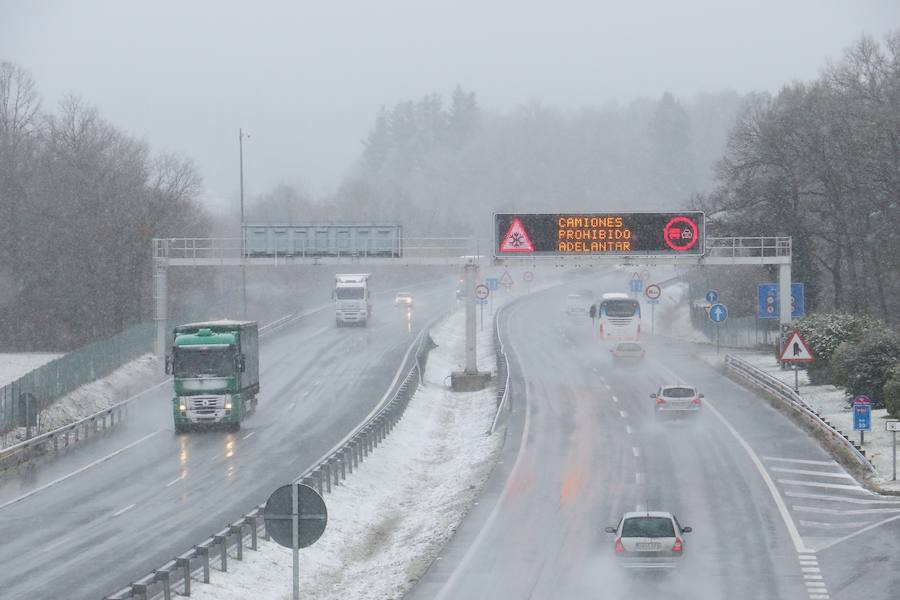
606	234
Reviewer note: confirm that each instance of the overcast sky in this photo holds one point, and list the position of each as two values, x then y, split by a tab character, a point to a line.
306	78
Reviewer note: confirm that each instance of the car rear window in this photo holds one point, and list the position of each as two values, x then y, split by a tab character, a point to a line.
679	392
648	527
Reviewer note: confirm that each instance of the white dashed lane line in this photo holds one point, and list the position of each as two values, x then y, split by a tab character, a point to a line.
628	429
249	435
173	482
124	510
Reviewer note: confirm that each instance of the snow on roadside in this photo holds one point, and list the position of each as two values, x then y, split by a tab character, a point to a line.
129	379
390	518
673	315
16	365
831	403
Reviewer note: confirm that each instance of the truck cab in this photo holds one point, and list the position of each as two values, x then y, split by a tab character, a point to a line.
352	299
215	369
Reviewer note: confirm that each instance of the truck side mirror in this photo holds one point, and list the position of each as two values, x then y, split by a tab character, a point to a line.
168	366
243	360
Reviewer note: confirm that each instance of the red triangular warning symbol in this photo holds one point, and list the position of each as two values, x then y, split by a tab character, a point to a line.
516	239
796	350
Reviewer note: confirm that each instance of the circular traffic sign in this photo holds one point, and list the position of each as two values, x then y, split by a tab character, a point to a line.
863	399
718	313
312	516
528	276
482	292
681	233
645	274
652	292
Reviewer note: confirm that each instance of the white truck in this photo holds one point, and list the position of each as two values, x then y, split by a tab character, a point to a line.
352	300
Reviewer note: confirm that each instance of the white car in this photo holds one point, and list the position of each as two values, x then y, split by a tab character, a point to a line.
677	399
628	350
403	299
649	540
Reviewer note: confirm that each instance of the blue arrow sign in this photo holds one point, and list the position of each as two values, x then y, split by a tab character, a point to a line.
712	296
718	313
768	306
492	283
636	284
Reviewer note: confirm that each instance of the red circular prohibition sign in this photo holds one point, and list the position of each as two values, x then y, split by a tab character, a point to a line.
670	228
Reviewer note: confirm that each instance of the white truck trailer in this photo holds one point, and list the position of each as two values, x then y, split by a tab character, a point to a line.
352	300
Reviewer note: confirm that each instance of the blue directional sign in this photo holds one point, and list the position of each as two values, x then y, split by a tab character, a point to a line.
718	313
481	301
636	284
862	414
712	296
768	306
492	283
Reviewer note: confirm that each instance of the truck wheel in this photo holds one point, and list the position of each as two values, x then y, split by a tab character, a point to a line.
180	428
234	426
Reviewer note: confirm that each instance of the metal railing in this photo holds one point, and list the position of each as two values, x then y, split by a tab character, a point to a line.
62	437
231	249
502	374
176	575
748	247
791	399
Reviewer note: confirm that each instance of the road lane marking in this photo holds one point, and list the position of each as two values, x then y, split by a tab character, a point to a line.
856	533
834	486
292	405
615	399
813	577
811	569
623	414
803	461
249	435
640	508
821	525
173	482
799	546
818	473
638	478
628	429
837	511
636	452
124	510
830	498
81	470
807	557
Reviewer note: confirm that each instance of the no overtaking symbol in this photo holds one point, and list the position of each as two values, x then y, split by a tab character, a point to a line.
482	292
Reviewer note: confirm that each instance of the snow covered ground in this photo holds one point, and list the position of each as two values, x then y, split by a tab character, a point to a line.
389	519
126	381
673	315
13	366
830	402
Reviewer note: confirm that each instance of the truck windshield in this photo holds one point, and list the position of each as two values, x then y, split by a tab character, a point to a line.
355	293
193	362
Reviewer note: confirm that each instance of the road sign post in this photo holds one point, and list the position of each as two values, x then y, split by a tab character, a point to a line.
862	416
295	517
718	313
528	277
653	292
796	350
481	295
893	427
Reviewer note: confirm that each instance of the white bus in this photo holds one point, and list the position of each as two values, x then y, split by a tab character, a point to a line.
620	317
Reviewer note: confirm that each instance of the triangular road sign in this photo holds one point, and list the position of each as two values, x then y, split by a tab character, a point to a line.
506	280
516	239
796	350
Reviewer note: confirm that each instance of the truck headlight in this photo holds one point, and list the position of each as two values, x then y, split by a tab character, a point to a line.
228	405
182	407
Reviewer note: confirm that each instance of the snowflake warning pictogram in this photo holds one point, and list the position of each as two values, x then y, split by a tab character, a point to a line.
516	239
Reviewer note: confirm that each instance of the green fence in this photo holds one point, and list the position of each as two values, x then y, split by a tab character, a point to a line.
42	387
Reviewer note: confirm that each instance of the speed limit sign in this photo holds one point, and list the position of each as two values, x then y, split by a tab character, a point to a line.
652	291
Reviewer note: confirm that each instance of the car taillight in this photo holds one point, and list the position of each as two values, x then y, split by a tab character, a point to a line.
677	547
660	400
620	548
696	400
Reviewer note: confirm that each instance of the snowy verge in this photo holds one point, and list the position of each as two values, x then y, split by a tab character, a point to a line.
131	378
673	315
392	516
831	403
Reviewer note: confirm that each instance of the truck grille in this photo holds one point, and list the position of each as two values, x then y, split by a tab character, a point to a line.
207	405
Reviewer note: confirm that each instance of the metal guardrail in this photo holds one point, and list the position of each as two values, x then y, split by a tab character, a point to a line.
502	373
328	471
91	425
786	394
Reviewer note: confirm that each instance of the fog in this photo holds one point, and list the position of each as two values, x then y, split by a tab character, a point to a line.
306	79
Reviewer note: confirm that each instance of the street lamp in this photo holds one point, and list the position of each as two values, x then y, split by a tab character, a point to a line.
241	136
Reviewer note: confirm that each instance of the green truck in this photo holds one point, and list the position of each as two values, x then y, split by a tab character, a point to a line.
215	367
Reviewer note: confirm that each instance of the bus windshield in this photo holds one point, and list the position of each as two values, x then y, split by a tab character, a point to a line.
619	308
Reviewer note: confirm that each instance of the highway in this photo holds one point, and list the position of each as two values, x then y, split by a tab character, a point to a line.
583	448
86	523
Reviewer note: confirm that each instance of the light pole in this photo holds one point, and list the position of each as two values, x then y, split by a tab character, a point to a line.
241	136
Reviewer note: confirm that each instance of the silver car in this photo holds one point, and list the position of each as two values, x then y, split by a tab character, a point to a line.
649	540
677	399
628	350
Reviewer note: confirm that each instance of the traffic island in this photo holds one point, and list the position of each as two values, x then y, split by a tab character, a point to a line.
465	381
